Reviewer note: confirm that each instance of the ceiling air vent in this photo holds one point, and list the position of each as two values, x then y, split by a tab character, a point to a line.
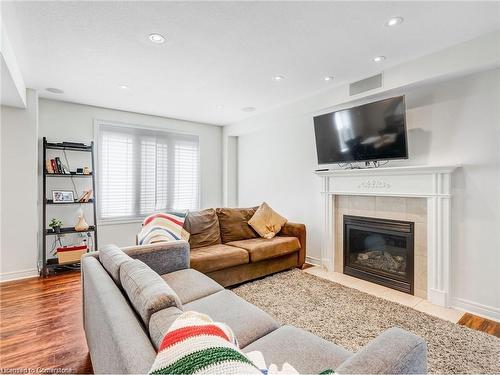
366	84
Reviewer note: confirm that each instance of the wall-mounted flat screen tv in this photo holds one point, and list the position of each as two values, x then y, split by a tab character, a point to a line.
369	132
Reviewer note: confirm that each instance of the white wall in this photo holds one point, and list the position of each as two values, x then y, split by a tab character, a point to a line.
62	121
19	216
455	121
230	170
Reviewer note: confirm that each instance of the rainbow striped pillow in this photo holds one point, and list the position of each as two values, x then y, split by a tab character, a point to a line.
163	227
194	344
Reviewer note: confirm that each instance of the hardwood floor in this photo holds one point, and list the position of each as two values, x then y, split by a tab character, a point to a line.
480	324
41	324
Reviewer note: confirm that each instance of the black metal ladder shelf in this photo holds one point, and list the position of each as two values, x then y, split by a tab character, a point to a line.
48	263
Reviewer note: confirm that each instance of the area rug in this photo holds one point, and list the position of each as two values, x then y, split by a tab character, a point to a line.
351	318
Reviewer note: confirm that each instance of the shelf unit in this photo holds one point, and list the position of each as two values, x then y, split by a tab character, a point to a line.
48	263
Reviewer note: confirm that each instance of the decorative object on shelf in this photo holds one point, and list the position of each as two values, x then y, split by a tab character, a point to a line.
81	224
86	170
56	225
63	196
86	196
79	170
70	254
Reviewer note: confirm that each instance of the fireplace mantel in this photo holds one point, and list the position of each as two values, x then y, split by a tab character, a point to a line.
430	182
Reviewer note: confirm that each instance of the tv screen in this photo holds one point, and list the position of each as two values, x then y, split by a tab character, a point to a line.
374	131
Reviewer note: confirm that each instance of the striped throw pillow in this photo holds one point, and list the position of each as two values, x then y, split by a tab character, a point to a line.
194	344
163	227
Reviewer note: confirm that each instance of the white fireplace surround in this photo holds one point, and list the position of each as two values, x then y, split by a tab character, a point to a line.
430	182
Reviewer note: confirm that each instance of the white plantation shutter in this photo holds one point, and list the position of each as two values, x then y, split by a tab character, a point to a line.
143	171
162	175
116	180
147	181
186	173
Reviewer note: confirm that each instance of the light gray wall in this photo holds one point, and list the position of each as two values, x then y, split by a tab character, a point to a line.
452	122
62	121
19	215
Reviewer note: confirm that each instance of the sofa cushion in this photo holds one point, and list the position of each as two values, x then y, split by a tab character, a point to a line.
307	353
217	257
266	222
262	248
203	227
195	344
248	322
190	284
111	258
163	227
146	290
233	223
160	322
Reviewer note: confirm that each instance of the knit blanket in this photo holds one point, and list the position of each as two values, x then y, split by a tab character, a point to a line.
163	227
194	344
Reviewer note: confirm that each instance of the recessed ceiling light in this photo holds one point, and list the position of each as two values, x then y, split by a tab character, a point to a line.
248	109
156	38
220	106
328	78
123	87
379	58
54	90
278	78
394	21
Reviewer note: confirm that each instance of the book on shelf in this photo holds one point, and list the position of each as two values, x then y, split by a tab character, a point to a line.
54	166
60	166
48	166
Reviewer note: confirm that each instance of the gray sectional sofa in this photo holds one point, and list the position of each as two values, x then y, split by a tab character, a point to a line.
120	341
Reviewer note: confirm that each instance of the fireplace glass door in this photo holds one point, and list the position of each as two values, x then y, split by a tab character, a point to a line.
380	251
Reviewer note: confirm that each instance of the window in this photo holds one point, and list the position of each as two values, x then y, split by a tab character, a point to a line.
142	171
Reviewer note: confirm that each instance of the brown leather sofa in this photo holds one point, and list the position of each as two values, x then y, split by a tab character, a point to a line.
227	249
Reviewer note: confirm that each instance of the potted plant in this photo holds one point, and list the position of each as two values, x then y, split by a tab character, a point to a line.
56	225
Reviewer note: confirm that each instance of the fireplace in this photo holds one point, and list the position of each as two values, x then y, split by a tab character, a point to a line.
380	251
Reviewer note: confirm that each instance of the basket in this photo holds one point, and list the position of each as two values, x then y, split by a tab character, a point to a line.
70	254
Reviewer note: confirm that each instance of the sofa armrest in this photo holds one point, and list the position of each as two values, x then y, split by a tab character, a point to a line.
394	351
299	231
162	257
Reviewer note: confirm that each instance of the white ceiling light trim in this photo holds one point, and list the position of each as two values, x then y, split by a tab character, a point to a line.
123	87
379	58
156	38
393	21
328	78
278	78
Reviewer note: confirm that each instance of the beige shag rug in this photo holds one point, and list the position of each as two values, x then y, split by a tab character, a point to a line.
351	318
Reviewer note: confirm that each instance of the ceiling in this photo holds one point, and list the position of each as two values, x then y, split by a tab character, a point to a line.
223	53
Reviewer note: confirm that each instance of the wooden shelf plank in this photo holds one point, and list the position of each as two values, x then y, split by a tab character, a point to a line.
67	175
67	230
50	201
58	146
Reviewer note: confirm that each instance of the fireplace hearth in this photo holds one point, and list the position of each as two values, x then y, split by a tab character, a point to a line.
380	251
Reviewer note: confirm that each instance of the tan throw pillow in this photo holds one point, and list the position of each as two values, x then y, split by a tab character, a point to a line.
267	222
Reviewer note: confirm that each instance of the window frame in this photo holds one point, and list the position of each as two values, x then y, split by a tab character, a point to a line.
97	166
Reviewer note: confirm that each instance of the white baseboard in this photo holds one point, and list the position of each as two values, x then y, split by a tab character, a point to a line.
17	275
314	261
485	311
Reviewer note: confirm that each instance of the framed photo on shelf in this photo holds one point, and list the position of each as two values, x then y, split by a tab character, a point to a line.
63	196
